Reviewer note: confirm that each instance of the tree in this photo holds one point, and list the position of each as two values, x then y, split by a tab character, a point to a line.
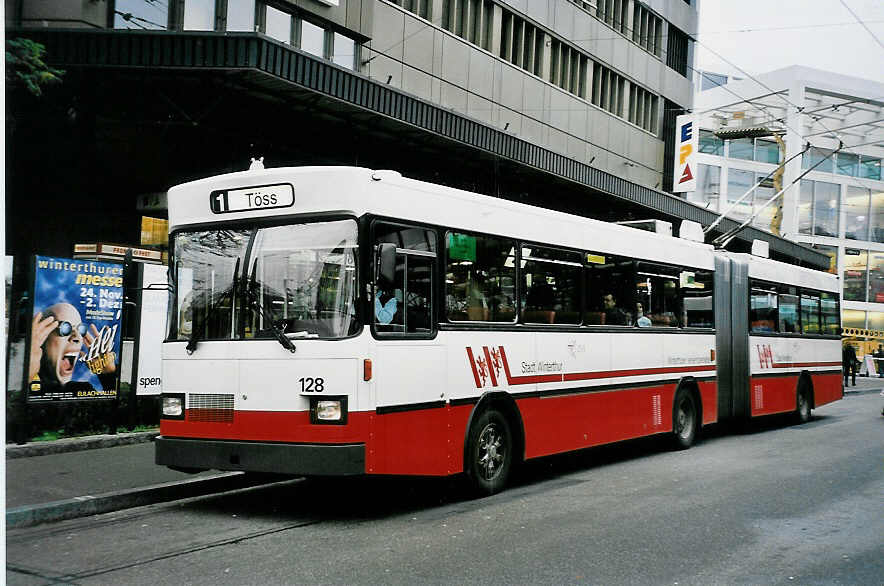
25	66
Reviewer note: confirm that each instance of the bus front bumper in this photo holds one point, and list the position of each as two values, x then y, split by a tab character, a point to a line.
280	458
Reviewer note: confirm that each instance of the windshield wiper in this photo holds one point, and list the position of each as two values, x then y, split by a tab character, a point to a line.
252	300
231	291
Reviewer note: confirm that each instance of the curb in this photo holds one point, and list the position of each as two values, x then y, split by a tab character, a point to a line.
77	444
83	506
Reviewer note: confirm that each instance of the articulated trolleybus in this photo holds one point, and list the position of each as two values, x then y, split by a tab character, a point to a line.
344	321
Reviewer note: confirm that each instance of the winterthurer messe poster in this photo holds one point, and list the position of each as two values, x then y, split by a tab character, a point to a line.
75	332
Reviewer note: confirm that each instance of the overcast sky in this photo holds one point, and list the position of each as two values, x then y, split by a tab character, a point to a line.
822	34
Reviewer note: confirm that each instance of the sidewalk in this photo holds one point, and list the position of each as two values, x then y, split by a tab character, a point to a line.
65	479
69	478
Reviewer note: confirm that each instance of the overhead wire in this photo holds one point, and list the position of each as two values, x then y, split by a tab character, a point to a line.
864	25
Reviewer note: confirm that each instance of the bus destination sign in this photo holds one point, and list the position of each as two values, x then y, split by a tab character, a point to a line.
252	199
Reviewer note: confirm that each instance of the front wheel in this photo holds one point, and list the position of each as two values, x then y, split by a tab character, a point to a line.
684	421
489	456
802	410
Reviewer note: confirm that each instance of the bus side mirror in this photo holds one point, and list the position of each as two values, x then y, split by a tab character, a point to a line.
386	267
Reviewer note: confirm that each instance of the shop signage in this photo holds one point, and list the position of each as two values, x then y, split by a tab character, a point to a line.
686	144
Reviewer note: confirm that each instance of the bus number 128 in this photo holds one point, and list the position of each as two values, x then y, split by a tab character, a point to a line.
311	385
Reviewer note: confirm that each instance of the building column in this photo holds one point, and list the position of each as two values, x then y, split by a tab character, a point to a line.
794	144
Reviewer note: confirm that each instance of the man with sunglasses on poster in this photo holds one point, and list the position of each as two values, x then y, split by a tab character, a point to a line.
57	338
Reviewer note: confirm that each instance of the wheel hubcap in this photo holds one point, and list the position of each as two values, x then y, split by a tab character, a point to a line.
492	451
685	420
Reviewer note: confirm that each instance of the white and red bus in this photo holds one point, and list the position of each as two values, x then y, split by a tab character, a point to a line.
343	321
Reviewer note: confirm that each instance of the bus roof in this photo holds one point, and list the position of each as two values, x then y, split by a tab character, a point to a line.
358	191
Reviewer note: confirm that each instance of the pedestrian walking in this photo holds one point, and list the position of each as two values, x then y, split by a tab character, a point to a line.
879	361
848	363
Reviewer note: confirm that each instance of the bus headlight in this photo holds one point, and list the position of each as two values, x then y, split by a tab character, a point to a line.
173	406
328	410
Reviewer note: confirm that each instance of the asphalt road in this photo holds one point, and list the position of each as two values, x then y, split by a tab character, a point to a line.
774	504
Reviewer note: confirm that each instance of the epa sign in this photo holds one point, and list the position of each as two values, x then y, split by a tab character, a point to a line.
686	143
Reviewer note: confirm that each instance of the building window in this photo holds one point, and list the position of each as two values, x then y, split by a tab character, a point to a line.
141	15
199	15
876	277
767	151
422	8
877	217
521	43
278	25
708	187
647	29
312	38
870	168
472	20
856	218
711	144
763	193
847	164
741	148
241	16
613	13
818	208
344	51
738	183
607	89
856	268
568	68
711	80
821	156
677	49
643	108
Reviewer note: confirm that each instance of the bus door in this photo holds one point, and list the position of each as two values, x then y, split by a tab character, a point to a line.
409	361
732	335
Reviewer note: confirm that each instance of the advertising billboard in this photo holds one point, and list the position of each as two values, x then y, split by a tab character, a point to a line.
75	331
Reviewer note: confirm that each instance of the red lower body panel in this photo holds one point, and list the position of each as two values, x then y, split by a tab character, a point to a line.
431	441
770	395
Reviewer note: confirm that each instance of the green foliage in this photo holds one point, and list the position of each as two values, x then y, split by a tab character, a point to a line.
25	66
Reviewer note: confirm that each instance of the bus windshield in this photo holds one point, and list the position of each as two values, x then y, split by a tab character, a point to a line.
299	279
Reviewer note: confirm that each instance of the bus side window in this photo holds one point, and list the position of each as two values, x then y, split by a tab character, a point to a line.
763	308
657	289
810	312
696	289
830	314
480	278
788	314
610	290
551	282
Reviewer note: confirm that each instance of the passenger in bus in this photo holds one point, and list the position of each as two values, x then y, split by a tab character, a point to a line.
477	304
641	320
385	306
613	314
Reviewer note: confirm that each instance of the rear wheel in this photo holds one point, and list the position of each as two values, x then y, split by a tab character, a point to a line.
684	420
489	457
